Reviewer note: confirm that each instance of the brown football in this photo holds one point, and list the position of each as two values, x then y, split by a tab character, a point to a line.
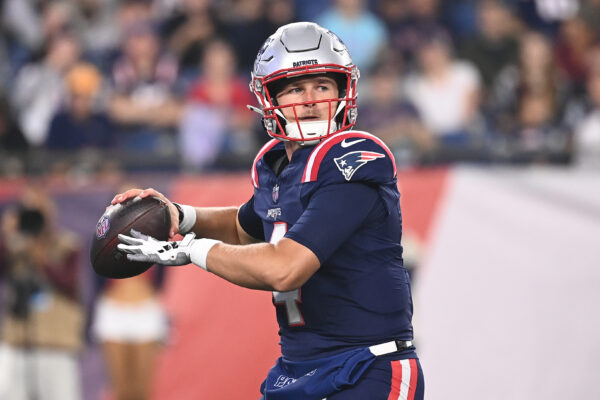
149	216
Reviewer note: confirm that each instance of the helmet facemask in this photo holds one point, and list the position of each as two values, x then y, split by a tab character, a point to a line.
340	117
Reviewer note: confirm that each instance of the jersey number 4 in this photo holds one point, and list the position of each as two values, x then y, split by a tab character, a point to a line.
290	299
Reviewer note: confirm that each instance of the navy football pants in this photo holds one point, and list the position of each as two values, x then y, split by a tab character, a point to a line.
387	380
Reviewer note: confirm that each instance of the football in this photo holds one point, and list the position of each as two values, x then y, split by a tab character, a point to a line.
148	215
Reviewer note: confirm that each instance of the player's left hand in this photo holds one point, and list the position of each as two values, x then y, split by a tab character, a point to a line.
143	248
131	193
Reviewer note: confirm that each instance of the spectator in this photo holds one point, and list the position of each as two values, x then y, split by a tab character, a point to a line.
131	324
43	321
495	44
57	18
144	103
246	28
32	24
308	10
590	12
535	72
5	65
133	12
217	127
94	22
11	137
13	145
189	30
22	21
364	33
80	125
460	17
279	12
409	23
39	88
394	119
572	48
539	136
587	132
446	93
529	12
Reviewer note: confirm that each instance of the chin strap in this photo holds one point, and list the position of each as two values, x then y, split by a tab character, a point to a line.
316	129
310	130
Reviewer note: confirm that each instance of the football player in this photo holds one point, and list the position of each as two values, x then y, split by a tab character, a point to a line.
322	231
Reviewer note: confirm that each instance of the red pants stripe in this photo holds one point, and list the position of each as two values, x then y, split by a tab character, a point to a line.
404	379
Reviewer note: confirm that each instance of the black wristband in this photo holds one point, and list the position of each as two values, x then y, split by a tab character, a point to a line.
180	210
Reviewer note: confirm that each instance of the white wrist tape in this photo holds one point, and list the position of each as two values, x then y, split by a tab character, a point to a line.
189	219
199	251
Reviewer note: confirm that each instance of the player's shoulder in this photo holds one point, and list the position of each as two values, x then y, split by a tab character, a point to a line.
350	156
269	146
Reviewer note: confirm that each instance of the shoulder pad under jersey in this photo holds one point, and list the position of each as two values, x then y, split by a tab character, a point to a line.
264	150
352	156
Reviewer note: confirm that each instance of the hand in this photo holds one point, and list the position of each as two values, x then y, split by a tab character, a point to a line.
121	197
143	248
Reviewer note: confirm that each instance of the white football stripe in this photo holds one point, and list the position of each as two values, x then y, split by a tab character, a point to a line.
405	384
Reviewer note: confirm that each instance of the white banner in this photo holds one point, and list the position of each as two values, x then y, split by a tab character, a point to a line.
507	301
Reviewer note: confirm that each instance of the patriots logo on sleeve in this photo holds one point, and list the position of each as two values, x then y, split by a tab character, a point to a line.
350	162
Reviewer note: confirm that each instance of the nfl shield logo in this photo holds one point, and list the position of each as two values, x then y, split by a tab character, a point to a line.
275	193
102	227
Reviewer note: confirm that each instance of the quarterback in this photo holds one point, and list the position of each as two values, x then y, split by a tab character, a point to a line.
322	231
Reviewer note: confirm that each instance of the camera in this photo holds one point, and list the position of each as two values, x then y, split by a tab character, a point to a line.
31	221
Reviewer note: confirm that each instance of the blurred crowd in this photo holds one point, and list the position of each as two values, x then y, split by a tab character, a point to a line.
98	85
55	314
41	316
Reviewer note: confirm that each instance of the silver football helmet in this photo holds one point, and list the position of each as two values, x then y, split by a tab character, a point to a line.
304	48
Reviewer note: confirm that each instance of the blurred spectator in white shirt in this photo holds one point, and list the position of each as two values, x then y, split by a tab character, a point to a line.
39	88
445	91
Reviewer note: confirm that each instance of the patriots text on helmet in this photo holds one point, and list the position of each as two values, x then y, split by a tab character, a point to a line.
305	62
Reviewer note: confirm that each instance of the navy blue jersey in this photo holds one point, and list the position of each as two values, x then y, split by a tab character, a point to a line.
340	199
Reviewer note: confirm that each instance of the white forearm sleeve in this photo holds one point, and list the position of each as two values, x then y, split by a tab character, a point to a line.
199	251
189	219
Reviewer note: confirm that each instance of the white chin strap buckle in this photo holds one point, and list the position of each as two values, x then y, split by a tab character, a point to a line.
311	130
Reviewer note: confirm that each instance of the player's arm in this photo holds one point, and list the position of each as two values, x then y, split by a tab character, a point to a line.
283	266
333	214
220	223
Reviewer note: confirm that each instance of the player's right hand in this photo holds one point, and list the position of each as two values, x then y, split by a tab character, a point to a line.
143	248
121	197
